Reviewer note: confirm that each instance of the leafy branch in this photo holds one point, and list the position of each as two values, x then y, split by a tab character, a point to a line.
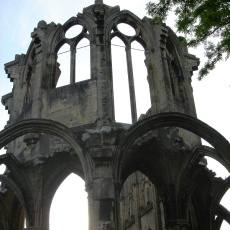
202	20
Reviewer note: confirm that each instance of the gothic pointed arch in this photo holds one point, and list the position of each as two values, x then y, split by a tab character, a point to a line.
56	175
43	126
19	185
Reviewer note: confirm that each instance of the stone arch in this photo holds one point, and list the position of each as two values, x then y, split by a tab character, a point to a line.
126	16
67	164
61	43
152	123
71	22
171	119
75	163
21	190
141	35
193	169
145	35
196	156
17	192
45	126
201	151
57	39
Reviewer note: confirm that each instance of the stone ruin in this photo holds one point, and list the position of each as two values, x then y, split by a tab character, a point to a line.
148	175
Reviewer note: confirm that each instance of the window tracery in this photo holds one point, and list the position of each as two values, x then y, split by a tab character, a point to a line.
130	33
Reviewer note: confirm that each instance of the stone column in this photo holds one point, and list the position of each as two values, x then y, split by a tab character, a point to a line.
101	69
103	205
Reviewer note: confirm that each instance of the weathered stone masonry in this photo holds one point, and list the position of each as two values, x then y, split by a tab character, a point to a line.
53	132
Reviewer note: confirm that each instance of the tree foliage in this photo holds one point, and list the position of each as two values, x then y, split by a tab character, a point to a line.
202	20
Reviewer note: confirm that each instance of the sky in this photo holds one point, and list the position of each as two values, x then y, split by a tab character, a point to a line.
19	18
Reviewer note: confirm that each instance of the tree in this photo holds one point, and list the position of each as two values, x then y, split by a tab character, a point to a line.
202	20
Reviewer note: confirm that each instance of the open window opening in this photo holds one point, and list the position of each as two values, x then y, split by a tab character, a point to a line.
204	142
225	225
126	29
217	167
2	151
140	203
120	82
64	65
225	200
69	208
73	31
2	171
142	91
2	168
222	172
82	69
25	223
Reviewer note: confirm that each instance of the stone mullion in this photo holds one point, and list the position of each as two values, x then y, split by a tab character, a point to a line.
72	64
131	84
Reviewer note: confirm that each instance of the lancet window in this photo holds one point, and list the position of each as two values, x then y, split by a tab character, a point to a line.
72	57
134	49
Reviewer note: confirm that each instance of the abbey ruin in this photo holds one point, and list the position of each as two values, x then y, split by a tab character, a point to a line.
148	175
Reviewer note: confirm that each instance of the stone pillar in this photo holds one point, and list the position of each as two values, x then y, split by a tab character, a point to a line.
103	204
101	71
